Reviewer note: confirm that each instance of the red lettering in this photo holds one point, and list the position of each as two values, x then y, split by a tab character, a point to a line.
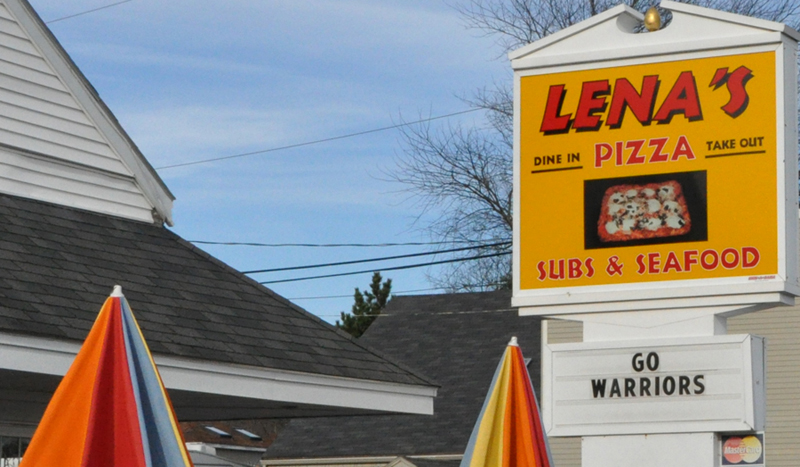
689	259
735	82
730	264
658	154
750	257
618	145
591	102
720	77
542	272
553	122
625	96
556	274
709	260
682	148
672	263
574	268
682	99
594	101
640	263
708	266
602	152
589	267
653	260
635	157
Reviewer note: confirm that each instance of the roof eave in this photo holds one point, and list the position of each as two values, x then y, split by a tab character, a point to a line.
348	396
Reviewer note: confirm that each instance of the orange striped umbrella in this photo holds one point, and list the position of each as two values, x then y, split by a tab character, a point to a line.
111	409
509	431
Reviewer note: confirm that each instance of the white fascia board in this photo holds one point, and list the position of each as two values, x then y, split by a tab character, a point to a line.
753	302
153	187
623	11
54	357
230	447
725	16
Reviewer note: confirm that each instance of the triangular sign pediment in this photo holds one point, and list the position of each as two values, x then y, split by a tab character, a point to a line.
615	34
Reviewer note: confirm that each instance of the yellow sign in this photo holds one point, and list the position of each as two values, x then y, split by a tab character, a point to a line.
645	173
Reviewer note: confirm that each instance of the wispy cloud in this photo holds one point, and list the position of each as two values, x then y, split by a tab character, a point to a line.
141	56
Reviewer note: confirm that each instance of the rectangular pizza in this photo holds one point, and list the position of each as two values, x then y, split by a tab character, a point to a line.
633	212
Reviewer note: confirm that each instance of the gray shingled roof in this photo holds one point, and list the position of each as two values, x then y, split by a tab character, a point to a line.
58	265
458	340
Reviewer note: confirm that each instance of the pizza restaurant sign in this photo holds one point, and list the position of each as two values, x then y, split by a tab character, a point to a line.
688	385
649	173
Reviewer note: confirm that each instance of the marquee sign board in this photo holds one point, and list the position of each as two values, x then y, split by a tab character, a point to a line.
643	175
690	385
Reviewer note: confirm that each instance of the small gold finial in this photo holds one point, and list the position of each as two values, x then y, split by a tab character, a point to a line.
652	20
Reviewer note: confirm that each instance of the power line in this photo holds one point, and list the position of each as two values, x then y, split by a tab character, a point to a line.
427	313
372	260
87	12
331	245
317	141
394	268
398	294
321	297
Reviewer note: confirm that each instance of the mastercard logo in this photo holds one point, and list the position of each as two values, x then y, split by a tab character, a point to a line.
742	451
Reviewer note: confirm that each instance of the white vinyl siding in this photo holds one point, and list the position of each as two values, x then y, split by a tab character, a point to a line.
781	327
566	451
50	148
52	180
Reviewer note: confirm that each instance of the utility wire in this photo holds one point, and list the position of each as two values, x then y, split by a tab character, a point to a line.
372	260
394	294
321	297
317	141
331	245
394	268
86	12
428	313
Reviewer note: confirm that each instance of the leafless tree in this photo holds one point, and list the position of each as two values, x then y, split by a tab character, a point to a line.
465	172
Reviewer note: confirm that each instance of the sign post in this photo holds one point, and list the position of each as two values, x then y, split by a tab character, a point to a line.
656	195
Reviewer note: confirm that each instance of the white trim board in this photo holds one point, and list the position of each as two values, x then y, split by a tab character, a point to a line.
54	357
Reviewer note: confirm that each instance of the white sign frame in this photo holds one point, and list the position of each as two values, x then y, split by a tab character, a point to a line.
566	368
695	33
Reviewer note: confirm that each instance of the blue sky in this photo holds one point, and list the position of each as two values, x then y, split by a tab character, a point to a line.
199	79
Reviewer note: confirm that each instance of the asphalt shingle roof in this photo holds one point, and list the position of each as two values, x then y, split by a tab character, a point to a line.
456	339
58	265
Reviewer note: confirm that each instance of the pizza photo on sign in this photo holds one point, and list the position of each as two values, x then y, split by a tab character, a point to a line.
633	212
650	209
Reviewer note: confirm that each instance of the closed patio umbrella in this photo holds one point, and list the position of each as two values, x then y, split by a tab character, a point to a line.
509	431
111	409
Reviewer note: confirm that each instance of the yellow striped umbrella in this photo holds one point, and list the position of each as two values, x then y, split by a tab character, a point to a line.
509	431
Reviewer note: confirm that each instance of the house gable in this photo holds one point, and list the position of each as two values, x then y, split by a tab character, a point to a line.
58	141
